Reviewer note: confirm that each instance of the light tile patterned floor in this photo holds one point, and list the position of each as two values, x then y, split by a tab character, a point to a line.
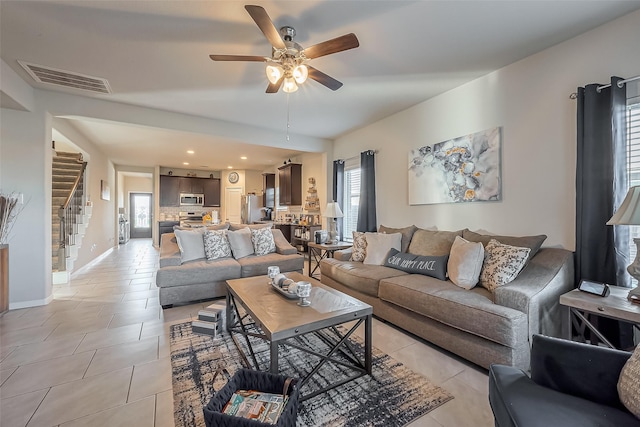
98	355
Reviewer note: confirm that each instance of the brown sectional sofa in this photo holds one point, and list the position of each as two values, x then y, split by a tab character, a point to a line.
202	279
481	326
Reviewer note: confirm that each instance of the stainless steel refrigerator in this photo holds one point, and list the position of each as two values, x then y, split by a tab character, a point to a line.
251	209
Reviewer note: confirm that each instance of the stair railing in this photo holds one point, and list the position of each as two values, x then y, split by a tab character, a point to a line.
68	214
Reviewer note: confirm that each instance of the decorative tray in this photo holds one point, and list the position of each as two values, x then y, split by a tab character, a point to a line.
283	292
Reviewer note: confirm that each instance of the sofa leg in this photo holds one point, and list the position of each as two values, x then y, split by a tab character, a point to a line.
167	306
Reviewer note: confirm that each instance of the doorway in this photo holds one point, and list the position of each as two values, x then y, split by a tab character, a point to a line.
140	215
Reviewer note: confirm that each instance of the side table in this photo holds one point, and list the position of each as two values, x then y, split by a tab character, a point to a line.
319	251
614	306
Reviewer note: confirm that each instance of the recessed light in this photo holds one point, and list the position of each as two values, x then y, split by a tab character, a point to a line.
243	158
185	163
190	151
229	167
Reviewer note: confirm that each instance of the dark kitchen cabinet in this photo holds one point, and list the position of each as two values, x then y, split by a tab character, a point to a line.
184	185
169	190
211	190
197	185
165	227
290	184
269	190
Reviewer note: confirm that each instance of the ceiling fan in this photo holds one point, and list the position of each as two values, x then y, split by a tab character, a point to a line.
288	64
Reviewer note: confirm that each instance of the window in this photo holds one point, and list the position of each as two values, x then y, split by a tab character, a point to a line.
633	164
351	198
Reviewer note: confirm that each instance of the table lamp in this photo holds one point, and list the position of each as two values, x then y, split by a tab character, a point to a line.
332	212
629	214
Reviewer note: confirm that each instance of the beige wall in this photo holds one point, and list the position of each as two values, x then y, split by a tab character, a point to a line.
530	101
135	184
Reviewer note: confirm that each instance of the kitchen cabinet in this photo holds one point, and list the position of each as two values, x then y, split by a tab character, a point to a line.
169	190
165	227
211	190
290	184
269	190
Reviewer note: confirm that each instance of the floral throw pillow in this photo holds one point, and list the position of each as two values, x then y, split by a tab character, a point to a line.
263	242
359	251
502	264
216	244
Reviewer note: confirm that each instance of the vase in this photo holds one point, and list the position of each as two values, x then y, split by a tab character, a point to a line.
4	278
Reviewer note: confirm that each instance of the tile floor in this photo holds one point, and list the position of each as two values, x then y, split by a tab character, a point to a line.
98	355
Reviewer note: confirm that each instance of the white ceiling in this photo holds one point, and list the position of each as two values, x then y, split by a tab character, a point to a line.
156	54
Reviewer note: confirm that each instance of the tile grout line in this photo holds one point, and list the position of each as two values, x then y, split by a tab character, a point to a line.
38	407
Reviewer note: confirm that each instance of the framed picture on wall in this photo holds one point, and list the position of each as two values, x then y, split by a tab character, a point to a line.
105	192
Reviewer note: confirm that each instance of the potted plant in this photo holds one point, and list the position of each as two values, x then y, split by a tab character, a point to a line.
9	210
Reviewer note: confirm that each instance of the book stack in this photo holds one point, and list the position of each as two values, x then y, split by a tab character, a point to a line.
212	320
256	405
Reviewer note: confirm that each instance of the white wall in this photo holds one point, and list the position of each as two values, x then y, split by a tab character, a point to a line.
530	100
135	184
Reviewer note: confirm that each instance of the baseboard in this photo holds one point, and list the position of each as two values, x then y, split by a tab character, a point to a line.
60	277
93	261
32	303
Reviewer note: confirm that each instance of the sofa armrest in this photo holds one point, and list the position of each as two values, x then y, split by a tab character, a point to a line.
537	289
169	251
343	255
283	247
582	370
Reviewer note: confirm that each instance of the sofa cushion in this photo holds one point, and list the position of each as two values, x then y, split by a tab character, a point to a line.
358	276
201	271
216	244
359	248
236	227
379	245
532	242
502	264
262	239
240	241
407	234
253	265
471	311
465	262
432	243
434	266
629	383
191	244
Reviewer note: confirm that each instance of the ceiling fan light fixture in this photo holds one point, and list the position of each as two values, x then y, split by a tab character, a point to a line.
289	85
274	73
300	73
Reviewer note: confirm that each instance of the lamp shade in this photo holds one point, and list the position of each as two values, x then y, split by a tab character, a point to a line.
333	210
629	211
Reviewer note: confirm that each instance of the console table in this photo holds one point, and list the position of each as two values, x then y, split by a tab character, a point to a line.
614	306
319	251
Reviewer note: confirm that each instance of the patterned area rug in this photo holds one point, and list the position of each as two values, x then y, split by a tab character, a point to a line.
392	396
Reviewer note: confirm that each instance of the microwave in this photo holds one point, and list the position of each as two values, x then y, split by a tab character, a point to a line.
191	199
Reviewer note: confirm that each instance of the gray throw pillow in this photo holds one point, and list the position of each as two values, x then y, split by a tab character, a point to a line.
434	266
191	244
240	242
465	262
379	245
407	234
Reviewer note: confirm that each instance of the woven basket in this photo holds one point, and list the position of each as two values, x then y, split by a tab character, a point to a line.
246	379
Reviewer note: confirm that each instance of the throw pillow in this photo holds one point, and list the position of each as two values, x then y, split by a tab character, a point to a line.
502	264
407	234
434	266
240	242
379	245
191	244
359	248
216	244
532	242
629	383
432	243
262	239
465	262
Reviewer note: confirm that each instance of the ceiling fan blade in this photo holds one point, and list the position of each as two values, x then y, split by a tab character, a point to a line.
275	87
346	42
238	58
265	24
324	79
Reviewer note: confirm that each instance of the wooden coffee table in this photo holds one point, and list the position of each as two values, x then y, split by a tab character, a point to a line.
277	319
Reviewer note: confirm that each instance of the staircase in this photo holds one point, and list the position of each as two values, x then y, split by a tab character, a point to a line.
69	212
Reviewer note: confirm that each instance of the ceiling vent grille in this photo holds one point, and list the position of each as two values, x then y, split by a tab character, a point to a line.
64	78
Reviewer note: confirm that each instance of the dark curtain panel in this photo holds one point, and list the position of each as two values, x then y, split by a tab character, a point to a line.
338	191
367	208
601	184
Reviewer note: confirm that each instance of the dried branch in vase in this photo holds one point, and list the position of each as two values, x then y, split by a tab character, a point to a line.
9	210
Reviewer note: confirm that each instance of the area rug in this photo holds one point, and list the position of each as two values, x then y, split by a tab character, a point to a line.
392	396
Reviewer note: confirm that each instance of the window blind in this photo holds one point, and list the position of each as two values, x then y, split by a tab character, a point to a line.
633	165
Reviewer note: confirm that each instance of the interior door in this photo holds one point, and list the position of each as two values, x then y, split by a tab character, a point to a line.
140	215
233	204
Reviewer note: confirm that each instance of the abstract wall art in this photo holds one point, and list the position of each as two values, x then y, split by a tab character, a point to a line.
464	169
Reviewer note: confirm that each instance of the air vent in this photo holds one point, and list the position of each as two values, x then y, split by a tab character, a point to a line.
53	76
